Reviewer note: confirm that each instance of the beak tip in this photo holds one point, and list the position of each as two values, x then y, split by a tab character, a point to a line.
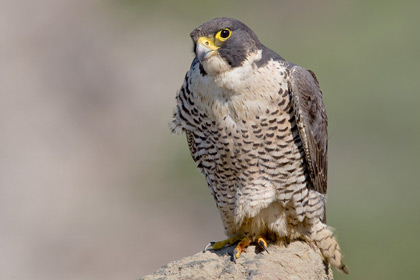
202	52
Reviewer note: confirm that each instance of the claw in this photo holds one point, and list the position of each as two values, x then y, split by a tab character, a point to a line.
263	244
208	246
234	255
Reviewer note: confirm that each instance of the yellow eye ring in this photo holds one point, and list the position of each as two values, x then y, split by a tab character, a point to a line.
223	35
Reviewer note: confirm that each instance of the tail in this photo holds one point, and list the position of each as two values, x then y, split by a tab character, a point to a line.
325	240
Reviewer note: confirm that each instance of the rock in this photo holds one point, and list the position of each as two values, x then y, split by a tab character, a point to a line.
297	261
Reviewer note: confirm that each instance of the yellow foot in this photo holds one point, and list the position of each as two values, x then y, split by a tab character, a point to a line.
241	247
263	244
220	244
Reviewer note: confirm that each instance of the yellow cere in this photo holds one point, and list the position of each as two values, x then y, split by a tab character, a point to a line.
208	42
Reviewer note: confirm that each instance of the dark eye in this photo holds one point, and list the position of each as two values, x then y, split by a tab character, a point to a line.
225	33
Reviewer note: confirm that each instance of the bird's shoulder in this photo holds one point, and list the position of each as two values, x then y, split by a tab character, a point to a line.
267	55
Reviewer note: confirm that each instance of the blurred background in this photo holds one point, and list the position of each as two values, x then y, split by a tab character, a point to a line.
94	186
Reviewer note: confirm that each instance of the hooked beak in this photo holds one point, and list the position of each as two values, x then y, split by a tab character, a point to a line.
205	48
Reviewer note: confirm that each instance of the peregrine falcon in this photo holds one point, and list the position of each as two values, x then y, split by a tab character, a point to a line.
256	127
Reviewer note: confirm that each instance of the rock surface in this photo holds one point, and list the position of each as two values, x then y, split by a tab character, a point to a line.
297	261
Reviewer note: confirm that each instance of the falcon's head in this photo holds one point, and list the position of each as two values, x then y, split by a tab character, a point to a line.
224	43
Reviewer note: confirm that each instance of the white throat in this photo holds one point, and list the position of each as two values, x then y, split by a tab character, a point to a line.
228	78
216	65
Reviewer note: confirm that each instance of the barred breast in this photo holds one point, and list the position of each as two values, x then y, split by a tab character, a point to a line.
248	147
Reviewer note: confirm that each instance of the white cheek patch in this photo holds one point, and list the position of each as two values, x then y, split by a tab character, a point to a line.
238	78
215	65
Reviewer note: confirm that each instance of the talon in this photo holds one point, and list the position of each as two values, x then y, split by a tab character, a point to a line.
234	255
208	246
241	247
263	244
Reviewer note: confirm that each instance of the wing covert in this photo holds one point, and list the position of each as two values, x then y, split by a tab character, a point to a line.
311	119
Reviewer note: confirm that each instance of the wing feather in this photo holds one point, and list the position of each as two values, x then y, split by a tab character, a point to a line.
312	123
